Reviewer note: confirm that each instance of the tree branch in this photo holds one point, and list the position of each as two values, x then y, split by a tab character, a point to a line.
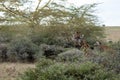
38	5
16	13
46	4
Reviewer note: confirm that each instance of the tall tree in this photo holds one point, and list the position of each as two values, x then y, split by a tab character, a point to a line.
74	18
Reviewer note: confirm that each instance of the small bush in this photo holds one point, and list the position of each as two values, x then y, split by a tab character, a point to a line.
5	37
22	49
116	46
52	70
46	38
108	60
5	34
3	52
71	55
50	51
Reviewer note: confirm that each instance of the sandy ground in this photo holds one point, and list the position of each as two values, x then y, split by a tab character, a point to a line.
112	33
10	71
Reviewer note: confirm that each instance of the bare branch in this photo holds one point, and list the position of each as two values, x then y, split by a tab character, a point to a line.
38	5
46	4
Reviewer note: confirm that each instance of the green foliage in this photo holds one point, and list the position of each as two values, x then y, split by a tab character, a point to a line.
50	35
80	19
40	38
22	49
5	34
5	37
52	70
110	61
58	28
29	15
71	55
3	51
50	51
116	45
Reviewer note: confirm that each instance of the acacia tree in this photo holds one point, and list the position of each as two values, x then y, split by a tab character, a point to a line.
57	17
75	18
83	19
22	11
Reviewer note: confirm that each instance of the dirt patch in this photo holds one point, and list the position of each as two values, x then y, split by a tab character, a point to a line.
112	33
10	71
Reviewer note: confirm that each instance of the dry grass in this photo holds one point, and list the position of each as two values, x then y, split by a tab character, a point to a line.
10	71
112	33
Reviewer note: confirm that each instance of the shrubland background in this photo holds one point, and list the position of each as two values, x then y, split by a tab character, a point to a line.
43	36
